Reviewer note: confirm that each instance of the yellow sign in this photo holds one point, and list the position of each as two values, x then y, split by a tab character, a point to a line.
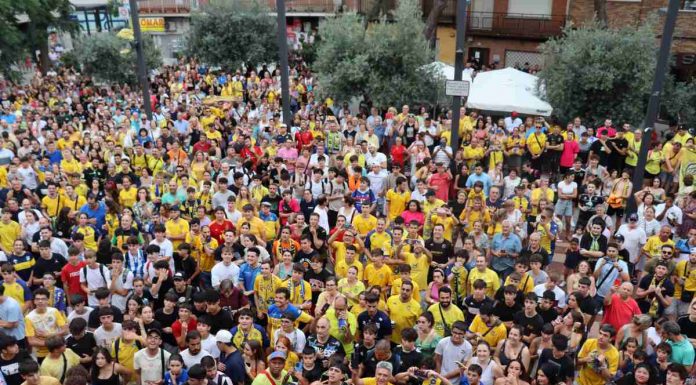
152	24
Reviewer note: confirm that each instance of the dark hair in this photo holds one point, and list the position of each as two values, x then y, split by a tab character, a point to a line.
77	325
28	367
409	334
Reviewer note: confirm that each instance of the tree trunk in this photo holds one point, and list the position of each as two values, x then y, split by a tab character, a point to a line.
431	23
44	62
600	10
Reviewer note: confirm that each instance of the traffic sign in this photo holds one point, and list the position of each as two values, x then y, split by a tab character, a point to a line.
457	88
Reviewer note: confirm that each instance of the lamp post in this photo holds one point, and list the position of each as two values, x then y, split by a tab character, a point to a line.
654	101
283	62
142	69
462	6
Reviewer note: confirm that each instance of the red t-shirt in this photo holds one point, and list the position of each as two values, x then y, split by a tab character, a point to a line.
217	230
70	275
176	327
620	312
442	181
398	153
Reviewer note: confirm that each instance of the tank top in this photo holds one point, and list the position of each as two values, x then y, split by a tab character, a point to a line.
487	374
113	380
504	360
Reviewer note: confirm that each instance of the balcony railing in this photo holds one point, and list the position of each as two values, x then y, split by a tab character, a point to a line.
515	25
168	6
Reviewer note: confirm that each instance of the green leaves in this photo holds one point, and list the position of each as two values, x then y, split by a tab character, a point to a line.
385	61
227	34
101	56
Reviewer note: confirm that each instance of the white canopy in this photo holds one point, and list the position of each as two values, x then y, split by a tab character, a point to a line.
447	71
507	90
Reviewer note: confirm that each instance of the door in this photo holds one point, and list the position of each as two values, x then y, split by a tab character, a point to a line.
479	54
481	14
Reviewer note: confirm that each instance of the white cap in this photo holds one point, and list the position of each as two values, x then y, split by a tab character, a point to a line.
223	336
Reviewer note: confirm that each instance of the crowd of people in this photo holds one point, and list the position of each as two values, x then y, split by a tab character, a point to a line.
213	243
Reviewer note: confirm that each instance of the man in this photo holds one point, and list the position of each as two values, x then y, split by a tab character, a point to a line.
634	239
225	269
231	362
10	357
122	282
102	294
29	370
43	322
151	363
609	270
598	358
193	353
397	199
593	244
682	349
109	331
619	308
653	246
528	318
558	356
440	249
445	313
247	330
323	343
451	350
93	276
275	372
655	291
487	327
282	305
476	300
372	315
485	274
127	345
403	310
15	287
343	324
219	318
506	247
212	374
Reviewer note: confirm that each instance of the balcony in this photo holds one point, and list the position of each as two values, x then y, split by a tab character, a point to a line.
520	26
168	7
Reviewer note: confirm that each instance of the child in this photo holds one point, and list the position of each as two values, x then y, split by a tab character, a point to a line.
81	341
626	364
457	276
573	257
176	375
476	192
284	345
308	371
470	375
208	342
362	350
407	352
80	308
539	276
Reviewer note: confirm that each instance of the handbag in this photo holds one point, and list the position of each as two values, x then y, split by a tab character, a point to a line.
445	328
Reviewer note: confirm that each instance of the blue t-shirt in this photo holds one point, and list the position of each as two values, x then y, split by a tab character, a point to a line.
10	311
247	275
363	199
180	379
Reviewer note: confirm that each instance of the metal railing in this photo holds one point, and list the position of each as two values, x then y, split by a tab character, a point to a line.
168	6
517	25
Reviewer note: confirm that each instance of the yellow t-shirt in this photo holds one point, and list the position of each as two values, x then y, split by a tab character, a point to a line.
176	228
52	205
381	276
495	335
256	227
451	314
57	367
126	352
49	323
354	291
535	143
337	332
403	315
472	155
341	269
588	375
15	290
128	197
340	250
265	289
526	284
654	246
634	149
74	204
536	196
687	271
71	167
419	268
489	276
90	237
299	293
397	203
364	225
396	288
447	222
9	232
381	241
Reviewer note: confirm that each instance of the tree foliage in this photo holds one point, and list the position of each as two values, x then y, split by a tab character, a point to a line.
10	38
228	34
596	72
110	58
388	61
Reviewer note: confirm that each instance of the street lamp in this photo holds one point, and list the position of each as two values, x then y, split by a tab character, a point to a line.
462	6
142	69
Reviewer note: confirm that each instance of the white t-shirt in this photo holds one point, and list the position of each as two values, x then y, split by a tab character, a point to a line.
567	188
634	239
73	314
95	278
106	338
150	367
210	345
560	294
124	281
674	213
191	360
220	272
510	185
297	338
452	353
166	250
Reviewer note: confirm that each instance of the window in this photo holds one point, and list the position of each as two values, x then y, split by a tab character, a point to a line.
529	8
689	5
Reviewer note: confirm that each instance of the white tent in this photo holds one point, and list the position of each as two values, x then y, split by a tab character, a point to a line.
507	90
447	71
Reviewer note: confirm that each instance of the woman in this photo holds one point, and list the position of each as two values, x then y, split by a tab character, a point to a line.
491	369
515	216
512	349
514	374
471	249
96	189
643	374
244	198
567	193
133	311
479	236
328	296
649	224
547	374
655	189
574	279
399	153
572	326
199	165
414	213
283	344
254	362
30	226
147	319
427	337
655	159
461	178
143	209
105	371
511	181
540	343
64	224
297	227
514	149
351	286
689	216
348	210
571	149
433	294
636	329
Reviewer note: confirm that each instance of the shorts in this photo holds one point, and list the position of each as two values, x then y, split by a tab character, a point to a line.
619	211
564	208
673	308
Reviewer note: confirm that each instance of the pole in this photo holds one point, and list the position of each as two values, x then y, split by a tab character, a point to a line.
283	53
654	101
142	69
462	6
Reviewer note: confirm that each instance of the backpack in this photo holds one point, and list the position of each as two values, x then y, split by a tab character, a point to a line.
101	272
323	183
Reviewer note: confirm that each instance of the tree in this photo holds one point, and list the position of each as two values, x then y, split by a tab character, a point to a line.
593	73
600	11
388	61
10	39
111	57
430	30
228	34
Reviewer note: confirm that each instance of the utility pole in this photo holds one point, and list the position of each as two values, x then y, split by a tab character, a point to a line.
142	69
283	52
654	101
462	6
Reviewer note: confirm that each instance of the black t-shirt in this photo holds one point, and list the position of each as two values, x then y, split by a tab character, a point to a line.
153	325
472	306
407	359
597	148
93	321
313	374
529	325
588	305
325	350
554	140
442	251
687	326
588	203
370	365
186	266
146	298
168	320
84	345
54	264
164	288
317	281
564	364
547	315
506	313
10	368
304	257
644	303
615	157
221	320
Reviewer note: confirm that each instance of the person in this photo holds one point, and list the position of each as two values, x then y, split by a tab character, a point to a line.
275	373
176	374
10	357
558	355
193	352
452	349
682	349
619	306
598	358
383	372
487	327
150	362
43	322
512	349
11	318
29	370
105	371
403	310
231	361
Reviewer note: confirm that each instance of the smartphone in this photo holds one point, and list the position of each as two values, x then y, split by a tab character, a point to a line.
420	373
298	367
325	308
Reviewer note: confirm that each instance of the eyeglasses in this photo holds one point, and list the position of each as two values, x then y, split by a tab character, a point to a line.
666	253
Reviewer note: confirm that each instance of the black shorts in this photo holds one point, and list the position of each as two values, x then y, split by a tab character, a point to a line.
619	212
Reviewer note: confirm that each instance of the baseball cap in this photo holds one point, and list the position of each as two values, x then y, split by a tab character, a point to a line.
223	336
154	331
275	355
619	238
633	217
266	204
179	276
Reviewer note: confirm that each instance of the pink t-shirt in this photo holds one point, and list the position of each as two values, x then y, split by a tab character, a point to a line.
442	181
620	312
570	149
288	154
413	216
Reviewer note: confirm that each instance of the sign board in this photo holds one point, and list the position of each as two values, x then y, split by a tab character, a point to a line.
124	12
457	88
152	24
